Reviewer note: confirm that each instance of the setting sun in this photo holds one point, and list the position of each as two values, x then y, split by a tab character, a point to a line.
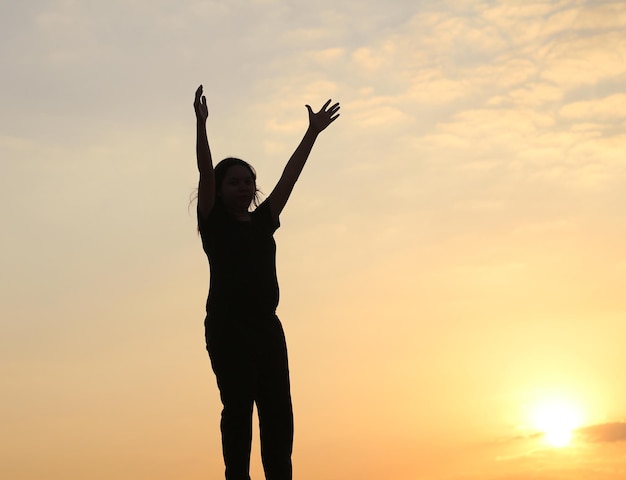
556	419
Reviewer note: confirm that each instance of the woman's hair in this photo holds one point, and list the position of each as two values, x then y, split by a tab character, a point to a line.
220	171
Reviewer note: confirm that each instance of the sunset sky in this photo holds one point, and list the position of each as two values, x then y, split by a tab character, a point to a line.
452	261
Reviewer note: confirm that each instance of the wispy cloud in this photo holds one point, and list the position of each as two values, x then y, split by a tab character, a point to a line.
603	433
595	453
597	433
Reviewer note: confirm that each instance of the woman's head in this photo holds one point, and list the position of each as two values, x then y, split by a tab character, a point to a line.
235	184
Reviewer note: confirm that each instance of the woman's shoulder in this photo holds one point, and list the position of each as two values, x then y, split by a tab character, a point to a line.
216	216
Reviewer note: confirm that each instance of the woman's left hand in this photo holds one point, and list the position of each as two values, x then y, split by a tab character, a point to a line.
320	120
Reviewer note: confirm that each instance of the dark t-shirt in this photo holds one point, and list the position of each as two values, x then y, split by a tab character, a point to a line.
242	258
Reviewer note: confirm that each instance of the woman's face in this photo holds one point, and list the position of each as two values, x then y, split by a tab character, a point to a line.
238	189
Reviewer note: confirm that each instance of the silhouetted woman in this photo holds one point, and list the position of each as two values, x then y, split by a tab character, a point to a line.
244	337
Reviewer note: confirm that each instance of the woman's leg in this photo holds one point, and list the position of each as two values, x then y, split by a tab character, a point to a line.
234	367
274	403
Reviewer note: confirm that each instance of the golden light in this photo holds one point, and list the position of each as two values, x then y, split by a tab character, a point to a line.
556	419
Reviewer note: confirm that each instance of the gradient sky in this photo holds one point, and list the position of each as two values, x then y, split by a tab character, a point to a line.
452	257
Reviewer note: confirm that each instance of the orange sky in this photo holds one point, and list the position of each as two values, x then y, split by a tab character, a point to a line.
451	259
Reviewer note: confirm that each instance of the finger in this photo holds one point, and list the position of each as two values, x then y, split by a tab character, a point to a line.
199	92
308	107
334	108
325	105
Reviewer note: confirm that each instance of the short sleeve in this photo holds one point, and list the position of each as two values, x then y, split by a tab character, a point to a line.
263	217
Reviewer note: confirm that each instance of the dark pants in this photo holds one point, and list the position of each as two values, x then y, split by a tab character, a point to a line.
249	359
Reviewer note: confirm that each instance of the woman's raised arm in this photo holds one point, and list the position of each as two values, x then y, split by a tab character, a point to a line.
206	184
317	123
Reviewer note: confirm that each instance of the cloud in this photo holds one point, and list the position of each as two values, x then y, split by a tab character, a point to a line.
378	112
536	94
431	86
610	108
328	55
520	97
609	432
585	61
603	432
365	58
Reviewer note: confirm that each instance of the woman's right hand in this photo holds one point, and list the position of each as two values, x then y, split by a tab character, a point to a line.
199	105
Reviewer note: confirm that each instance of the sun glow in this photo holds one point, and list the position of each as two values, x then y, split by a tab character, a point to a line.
556	419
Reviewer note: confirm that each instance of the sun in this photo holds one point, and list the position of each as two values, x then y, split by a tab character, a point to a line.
556	419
